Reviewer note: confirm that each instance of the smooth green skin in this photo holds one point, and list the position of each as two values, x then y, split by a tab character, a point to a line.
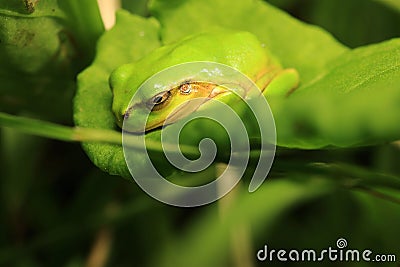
238	49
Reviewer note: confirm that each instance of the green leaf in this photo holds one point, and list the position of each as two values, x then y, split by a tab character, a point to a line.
131	38
304	47
334	106
355	103
283	4
393	4
376	20
41	52
35	70
30	8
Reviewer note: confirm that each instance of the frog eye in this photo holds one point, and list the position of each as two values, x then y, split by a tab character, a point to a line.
159	100
185	88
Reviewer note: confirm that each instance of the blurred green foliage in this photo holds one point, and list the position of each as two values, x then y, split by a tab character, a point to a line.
58	209
138	7
43	45
354	23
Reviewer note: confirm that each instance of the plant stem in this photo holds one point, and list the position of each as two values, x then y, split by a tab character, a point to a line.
240	238
378	194
79	134
85	19
58	132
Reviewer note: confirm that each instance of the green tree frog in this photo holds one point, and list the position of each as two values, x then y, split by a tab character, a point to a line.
238	49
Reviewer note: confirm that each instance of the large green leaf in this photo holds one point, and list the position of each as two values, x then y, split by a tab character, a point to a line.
131	38
41	51
355	103
304	47
32	53
347	98
293	41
